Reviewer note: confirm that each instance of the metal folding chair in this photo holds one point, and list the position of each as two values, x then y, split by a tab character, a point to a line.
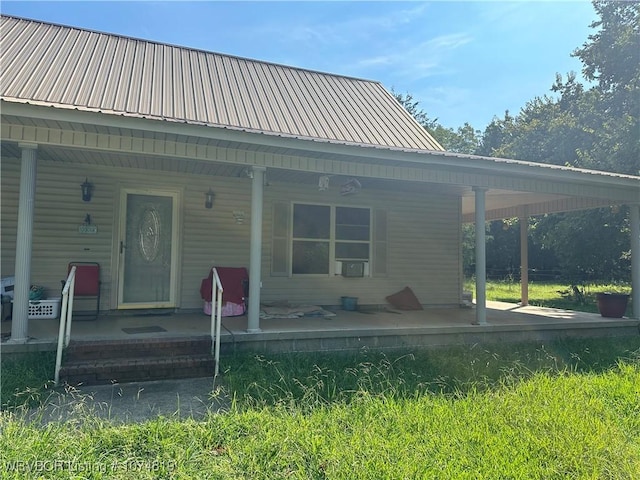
88	284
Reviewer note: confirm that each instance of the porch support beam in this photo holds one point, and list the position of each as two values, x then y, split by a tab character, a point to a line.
634	214
255	258
524	258
481	257
22	271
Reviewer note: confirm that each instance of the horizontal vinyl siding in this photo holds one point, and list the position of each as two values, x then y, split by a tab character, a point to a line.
423	234
423	249
208	236
58	211
9	193
212	237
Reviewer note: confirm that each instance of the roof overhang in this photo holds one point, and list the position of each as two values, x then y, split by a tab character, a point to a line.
513	187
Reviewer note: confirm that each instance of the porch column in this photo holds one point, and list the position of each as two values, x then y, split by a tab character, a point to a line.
255	259
524	258
634	214
22	271
481	258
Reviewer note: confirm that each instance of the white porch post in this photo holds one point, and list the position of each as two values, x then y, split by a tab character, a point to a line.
481	258
255	259
634	214
524	258
22	272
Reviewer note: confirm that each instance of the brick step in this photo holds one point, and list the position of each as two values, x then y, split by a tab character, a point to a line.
146	347
120	370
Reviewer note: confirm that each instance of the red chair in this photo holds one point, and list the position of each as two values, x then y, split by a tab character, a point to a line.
87	282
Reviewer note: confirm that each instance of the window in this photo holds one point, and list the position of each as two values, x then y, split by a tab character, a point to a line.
353	230
311	239
322	233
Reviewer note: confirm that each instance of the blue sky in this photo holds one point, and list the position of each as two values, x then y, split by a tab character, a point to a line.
463	61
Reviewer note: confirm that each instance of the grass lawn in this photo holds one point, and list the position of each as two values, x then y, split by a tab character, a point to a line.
553	295
565	409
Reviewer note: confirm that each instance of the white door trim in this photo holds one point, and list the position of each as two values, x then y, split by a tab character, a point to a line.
176	196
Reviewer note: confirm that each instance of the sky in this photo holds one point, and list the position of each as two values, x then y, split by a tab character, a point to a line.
462	61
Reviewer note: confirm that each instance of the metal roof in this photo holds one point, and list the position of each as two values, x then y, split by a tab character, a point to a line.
68	67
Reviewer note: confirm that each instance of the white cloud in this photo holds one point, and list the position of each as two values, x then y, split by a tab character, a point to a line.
428	58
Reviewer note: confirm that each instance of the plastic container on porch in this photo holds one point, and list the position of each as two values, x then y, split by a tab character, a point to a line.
349	303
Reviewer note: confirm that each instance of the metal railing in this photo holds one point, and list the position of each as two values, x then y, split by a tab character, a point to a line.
66	312
216	315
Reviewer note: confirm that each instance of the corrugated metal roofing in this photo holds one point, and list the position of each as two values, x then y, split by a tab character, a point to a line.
71	67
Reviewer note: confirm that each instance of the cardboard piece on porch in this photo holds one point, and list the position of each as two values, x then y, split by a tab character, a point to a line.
405	299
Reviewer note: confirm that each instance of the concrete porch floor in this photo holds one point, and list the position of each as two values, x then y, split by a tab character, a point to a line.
347	330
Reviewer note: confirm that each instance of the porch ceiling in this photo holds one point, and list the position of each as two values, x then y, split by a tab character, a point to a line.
50	153
499	203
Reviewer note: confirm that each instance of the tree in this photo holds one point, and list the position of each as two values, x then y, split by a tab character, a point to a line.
412	106
463	140
594	127
611	56
495	135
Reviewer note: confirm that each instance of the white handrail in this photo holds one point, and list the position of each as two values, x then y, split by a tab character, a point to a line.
64	331
216	314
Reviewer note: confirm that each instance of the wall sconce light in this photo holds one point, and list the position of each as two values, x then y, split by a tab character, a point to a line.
87	190
209	196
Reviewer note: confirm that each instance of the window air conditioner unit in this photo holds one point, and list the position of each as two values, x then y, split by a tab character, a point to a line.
353	269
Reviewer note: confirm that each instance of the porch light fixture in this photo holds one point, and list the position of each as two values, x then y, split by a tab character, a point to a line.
209	196
87	190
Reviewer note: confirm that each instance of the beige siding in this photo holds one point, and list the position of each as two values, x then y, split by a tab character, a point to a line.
9	192
423	252
423	234
208	236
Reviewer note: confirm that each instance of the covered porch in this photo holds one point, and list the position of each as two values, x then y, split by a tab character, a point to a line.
347	330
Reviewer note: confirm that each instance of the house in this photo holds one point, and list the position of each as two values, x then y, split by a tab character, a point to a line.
320	185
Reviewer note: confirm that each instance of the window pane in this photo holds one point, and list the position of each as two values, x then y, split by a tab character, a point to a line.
352	216
350	232
310	257
352	251
311	221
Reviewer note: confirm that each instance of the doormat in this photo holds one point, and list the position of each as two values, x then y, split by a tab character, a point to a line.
151	329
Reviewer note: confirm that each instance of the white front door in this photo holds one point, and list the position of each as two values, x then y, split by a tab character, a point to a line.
148	249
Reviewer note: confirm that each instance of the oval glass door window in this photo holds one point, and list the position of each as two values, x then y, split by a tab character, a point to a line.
149	234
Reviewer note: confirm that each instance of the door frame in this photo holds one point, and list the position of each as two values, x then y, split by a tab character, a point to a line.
176	228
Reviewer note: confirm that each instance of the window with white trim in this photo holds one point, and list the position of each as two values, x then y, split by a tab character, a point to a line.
322	234
312	239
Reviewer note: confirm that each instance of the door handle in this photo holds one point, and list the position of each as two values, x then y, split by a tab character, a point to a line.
122	247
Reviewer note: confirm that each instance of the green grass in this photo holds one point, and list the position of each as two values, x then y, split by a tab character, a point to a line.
553	295
569	409
562	409
313	379
26	378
